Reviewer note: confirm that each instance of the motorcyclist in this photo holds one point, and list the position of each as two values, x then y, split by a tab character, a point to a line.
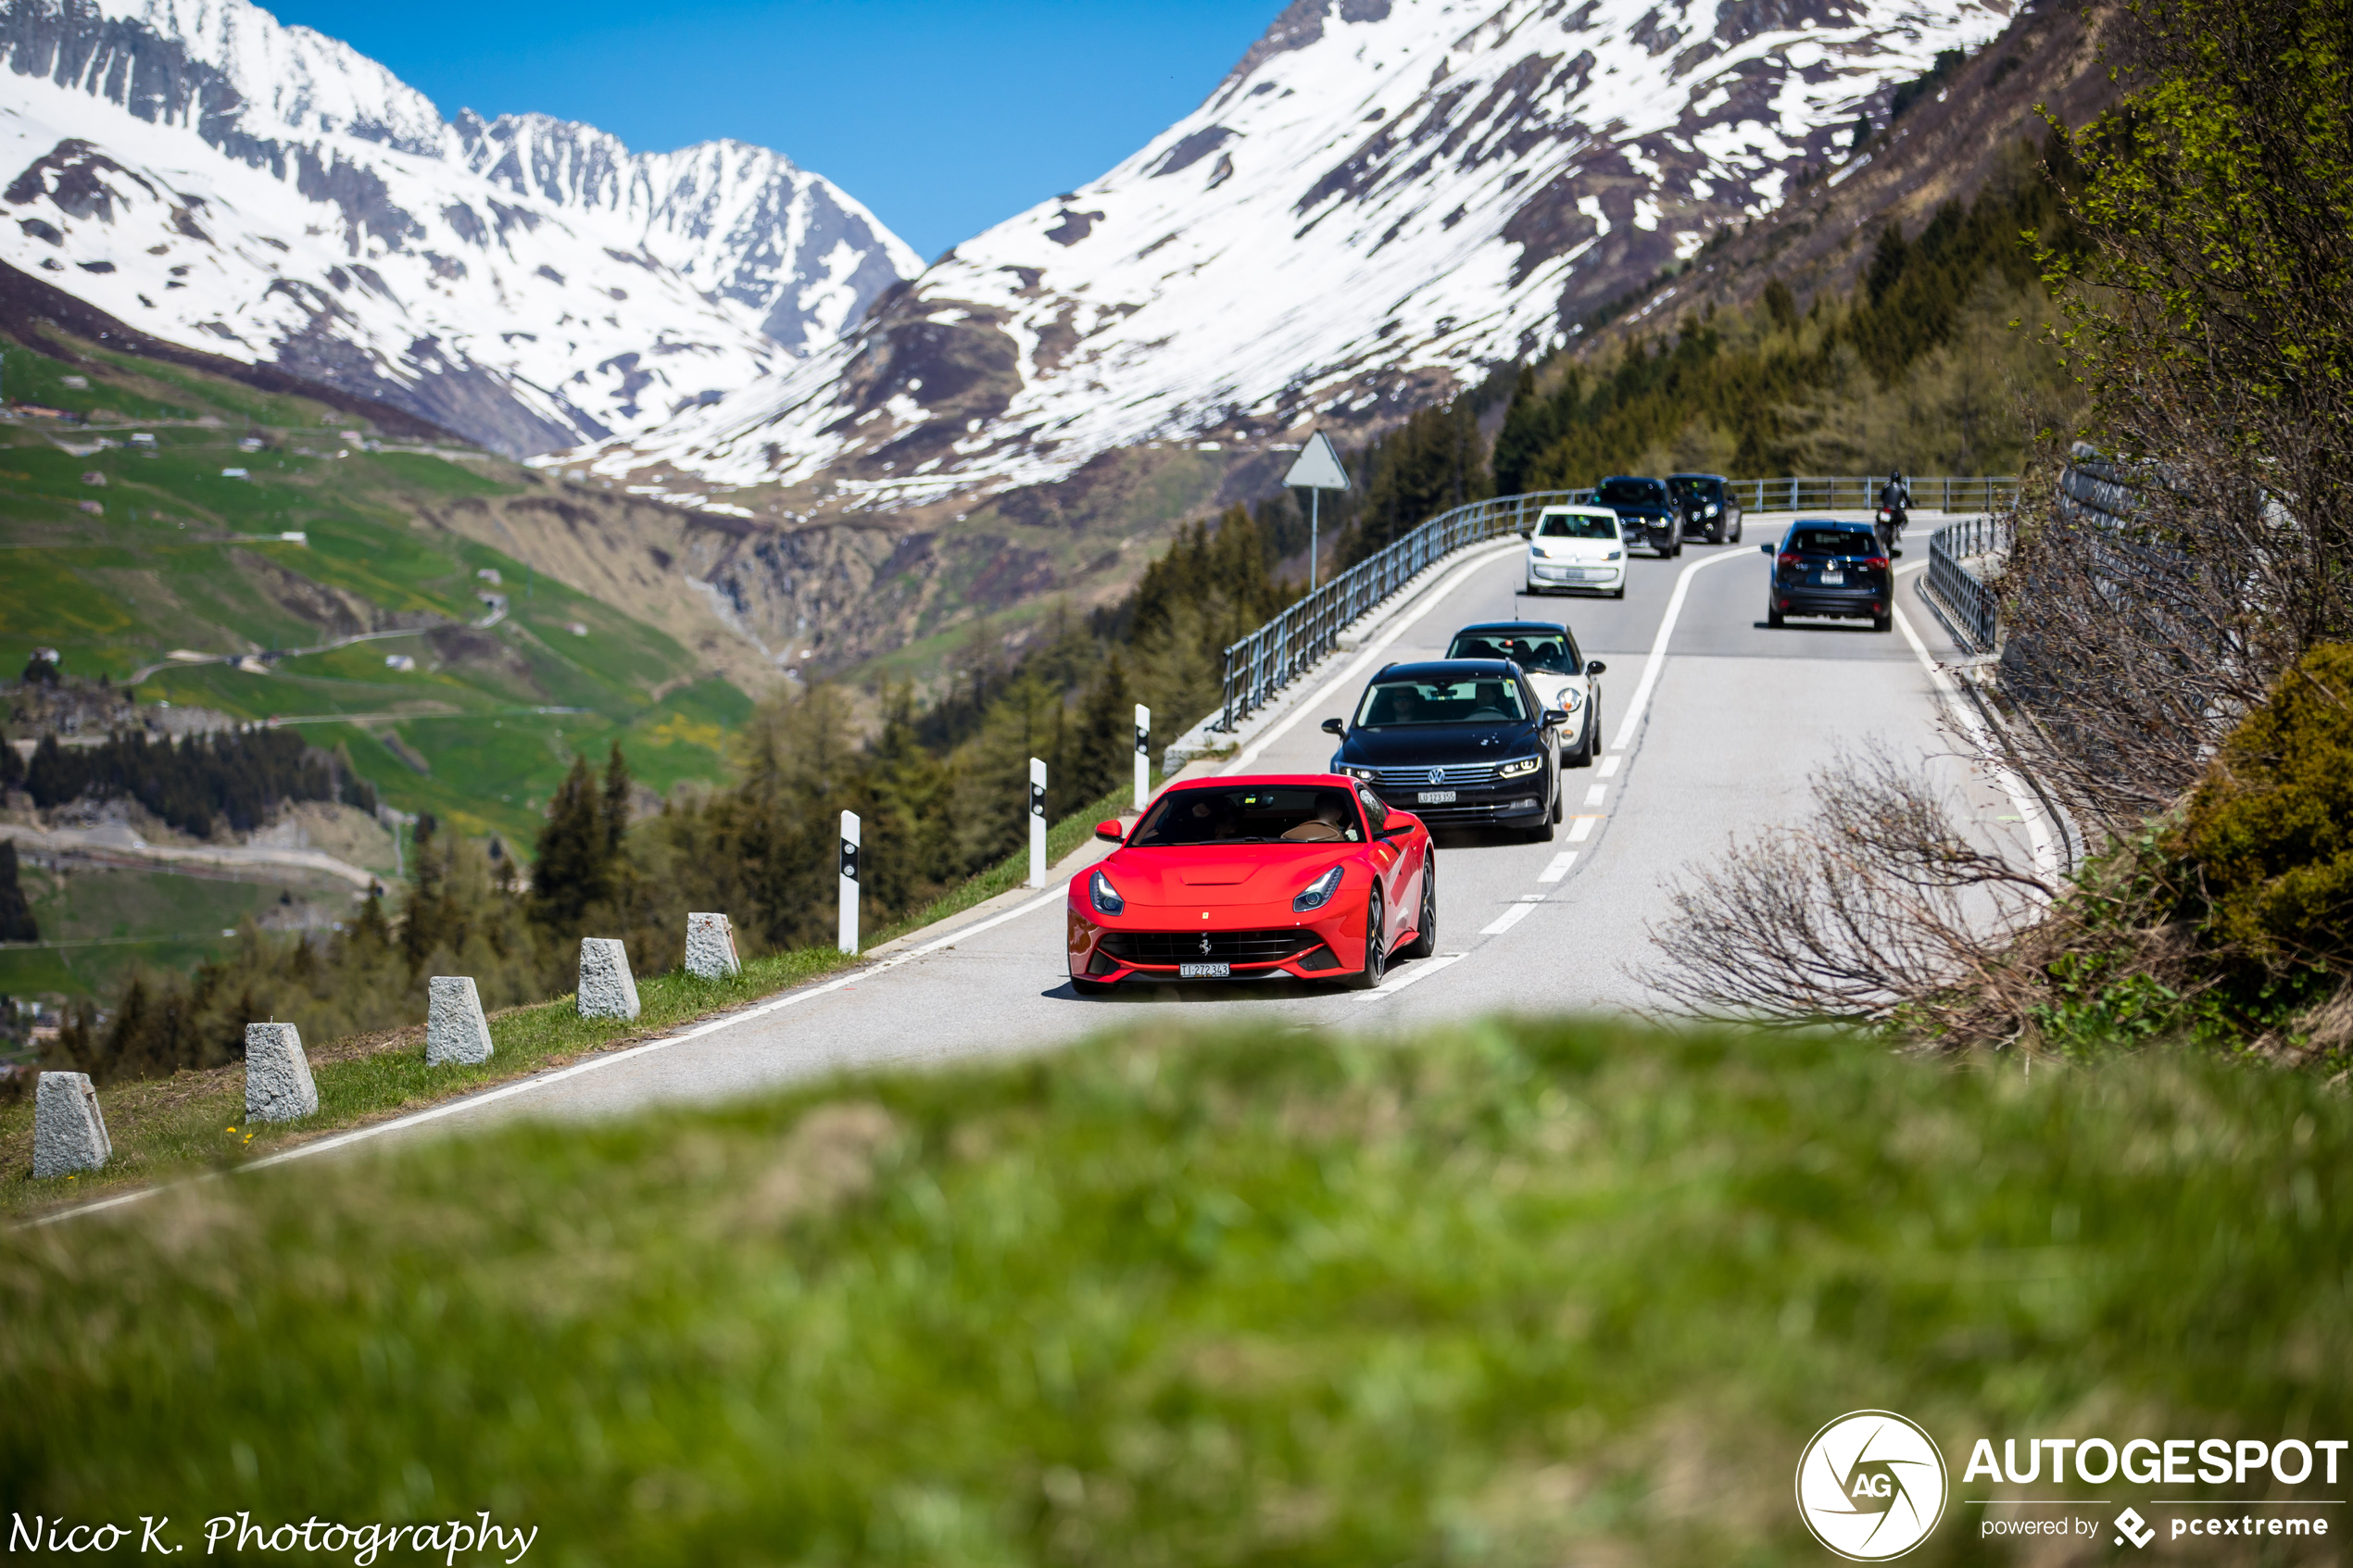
1895	508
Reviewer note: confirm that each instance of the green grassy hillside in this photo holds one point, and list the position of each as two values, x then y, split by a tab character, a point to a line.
1527	1293
183	557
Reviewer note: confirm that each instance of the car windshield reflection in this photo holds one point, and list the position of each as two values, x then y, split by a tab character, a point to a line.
1474	700
1255	814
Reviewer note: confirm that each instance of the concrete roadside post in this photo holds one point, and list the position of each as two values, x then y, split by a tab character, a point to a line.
847	941
455	1028
1036	824
278	1084
1143	755
68	1134
711	948
607	988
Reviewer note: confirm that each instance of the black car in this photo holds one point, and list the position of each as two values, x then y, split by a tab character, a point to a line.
1648	513
1708	508
1825	567
1547	655
1457	742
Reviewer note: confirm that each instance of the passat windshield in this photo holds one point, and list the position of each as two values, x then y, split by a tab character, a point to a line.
1631	492
1297	814
1832	542
1475	699
1537	652
1576	525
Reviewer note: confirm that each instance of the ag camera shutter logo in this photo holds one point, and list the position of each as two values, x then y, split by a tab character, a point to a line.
1871	1486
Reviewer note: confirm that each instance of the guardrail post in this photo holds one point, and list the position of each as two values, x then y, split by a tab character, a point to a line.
848	940
1143	755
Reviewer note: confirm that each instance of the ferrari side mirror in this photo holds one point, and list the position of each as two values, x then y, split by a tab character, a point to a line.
1109	833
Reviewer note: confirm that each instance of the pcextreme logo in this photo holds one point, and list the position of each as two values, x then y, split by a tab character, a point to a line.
1871	1486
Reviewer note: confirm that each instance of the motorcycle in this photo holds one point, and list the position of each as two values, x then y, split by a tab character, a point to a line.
1890	527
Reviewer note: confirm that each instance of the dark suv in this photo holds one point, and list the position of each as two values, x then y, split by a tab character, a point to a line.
1708	507
1825	567
1648	514
1457	742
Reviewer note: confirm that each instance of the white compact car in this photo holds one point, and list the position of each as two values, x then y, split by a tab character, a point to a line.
1576	549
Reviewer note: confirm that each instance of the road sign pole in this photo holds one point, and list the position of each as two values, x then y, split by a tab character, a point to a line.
1037	822
848	939
1317	470
1314	504
1143	755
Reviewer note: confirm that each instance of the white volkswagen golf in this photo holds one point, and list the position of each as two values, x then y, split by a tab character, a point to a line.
1577	548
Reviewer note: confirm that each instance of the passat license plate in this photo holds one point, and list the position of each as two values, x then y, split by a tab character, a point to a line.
1435	797
1205	971
1833	579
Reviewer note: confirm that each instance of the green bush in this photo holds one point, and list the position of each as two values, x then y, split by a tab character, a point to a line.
2270	831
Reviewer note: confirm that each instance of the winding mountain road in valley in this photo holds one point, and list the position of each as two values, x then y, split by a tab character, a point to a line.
1714	737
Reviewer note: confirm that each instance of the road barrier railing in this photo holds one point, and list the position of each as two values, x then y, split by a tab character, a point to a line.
1269	658
1970	604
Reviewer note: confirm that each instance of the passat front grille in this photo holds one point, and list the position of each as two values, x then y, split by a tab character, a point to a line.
1205	946
1471	773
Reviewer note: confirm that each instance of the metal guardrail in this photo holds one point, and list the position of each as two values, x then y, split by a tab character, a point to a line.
1271	657
1970	606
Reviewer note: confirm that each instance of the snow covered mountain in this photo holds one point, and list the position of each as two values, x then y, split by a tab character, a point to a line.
1382	199
264	191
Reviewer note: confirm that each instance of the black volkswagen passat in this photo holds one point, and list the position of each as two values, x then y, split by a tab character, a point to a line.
1457	742
1826	566
1648	514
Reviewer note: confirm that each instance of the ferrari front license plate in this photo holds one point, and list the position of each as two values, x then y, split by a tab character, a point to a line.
1435	797
1205	971
1833	579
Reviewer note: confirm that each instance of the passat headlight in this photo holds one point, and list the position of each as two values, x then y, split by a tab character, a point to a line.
1366	774
1317	893
1104	895
1519	767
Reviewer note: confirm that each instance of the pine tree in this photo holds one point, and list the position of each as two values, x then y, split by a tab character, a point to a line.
573	868
17	924
1529	426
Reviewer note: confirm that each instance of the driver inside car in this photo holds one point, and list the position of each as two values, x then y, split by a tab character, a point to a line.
1328	826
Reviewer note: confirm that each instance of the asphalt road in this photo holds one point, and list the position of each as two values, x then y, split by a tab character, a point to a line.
1737	718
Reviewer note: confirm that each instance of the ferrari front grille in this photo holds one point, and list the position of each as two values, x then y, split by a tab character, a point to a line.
1205	946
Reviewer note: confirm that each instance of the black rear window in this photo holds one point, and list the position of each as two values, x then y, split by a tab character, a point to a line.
1832	542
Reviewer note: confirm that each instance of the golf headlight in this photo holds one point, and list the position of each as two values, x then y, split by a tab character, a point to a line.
1104	896
1519	767
1317	893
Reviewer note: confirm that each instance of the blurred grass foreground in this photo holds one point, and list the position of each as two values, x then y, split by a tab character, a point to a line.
1521	1293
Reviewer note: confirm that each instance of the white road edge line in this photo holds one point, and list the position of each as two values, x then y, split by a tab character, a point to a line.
1372	650
1421	971
1512	916
2038	832
1649	682
1559	867
609	1058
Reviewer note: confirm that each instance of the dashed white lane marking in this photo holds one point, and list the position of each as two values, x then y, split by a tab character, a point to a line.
1580	828
1559	867
1657	660
1609	766
1513	916
1594	796
1420	971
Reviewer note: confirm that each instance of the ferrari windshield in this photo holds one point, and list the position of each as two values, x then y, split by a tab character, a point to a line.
1474	700
1631	492
1541	651
1250	814
1578	526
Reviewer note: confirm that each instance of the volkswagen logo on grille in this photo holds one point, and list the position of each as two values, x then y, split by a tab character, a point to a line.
1438	775
1204	941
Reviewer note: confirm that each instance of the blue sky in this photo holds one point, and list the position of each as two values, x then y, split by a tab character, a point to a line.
942	117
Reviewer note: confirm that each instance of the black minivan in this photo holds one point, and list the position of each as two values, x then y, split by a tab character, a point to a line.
1826	566
1457	742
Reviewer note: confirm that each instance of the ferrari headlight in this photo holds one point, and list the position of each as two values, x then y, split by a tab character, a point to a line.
1317	893
1519	767
1104	896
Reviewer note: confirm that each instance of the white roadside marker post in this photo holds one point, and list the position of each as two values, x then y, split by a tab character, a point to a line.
1037	822
847	941
1143	755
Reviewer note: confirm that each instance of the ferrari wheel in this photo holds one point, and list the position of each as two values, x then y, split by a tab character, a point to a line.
1376	962
1425	942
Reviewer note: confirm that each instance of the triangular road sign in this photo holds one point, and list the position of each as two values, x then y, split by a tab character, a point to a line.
1319	467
